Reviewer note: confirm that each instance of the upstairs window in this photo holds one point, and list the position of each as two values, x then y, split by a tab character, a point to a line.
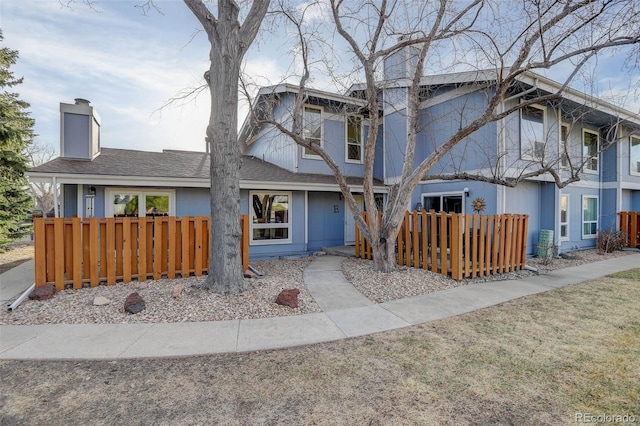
634	154
354	139
590	148
312	129
532	127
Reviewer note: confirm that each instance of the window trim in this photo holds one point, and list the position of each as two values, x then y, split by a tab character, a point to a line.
444	194
523	155
109	192
568	219
590	236
631	140
346	139
313	156
288	225
596	157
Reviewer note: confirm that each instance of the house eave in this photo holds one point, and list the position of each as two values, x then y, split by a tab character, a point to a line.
172	182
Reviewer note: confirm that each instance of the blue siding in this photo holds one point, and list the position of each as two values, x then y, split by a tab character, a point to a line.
192	202
608	209
70	200
610	164
548	213
526	198
326	220
440	122
395	134
635	201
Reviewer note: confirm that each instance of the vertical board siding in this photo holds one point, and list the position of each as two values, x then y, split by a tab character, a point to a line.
630	225
77	252
460	246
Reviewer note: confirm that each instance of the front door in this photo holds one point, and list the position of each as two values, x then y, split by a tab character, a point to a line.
349	223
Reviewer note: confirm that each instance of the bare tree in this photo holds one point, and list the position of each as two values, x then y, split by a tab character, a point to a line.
38	153
507	40
230	39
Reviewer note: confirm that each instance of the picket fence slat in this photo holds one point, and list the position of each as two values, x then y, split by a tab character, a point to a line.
76	252
457	245
630	225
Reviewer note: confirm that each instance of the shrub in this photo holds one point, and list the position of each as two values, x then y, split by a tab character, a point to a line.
609	241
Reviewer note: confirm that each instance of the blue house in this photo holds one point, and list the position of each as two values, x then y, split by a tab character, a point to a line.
292	198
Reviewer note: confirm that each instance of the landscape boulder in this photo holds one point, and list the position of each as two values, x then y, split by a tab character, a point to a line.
101	301
288	297
250	274
42	293
134	303
177	291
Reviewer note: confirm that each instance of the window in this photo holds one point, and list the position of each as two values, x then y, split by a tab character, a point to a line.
590	147
354	139
532	132
449	203
126	203
312	129
634	154
564	217
270	217
564	145
589	216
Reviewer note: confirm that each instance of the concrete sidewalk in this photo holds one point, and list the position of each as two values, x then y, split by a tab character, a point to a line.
15	281
346	314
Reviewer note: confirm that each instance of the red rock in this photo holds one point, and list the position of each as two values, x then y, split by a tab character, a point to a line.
134	303
250	274
42	293
288	297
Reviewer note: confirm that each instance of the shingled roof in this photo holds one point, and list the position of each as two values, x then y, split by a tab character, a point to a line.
172	164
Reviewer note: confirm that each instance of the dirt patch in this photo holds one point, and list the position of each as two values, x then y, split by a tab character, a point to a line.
18	253
536	360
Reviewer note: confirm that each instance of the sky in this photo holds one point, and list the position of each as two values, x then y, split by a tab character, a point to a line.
129	64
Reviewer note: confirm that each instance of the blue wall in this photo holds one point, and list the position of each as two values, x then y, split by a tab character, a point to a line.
70	202
608	209
192	202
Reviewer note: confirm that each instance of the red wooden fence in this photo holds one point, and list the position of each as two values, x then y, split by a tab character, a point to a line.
630	225
74	251
458	245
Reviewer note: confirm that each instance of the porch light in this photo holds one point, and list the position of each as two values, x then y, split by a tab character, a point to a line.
418	206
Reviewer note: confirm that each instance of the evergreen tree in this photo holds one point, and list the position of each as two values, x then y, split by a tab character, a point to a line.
16	133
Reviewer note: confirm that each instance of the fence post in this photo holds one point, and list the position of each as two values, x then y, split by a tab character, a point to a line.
40	253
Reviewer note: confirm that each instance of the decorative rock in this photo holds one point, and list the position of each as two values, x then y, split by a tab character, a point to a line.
320	253
177	291
141	285
101	301
43	293
250	274
134	303
288	297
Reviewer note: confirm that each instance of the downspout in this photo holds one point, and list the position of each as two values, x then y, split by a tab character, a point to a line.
20	299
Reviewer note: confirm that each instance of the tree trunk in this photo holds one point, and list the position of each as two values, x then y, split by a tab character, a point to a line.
225	262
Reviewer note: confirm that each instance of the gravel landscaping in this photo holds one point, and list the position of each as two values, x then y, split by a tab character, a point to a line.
195	303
